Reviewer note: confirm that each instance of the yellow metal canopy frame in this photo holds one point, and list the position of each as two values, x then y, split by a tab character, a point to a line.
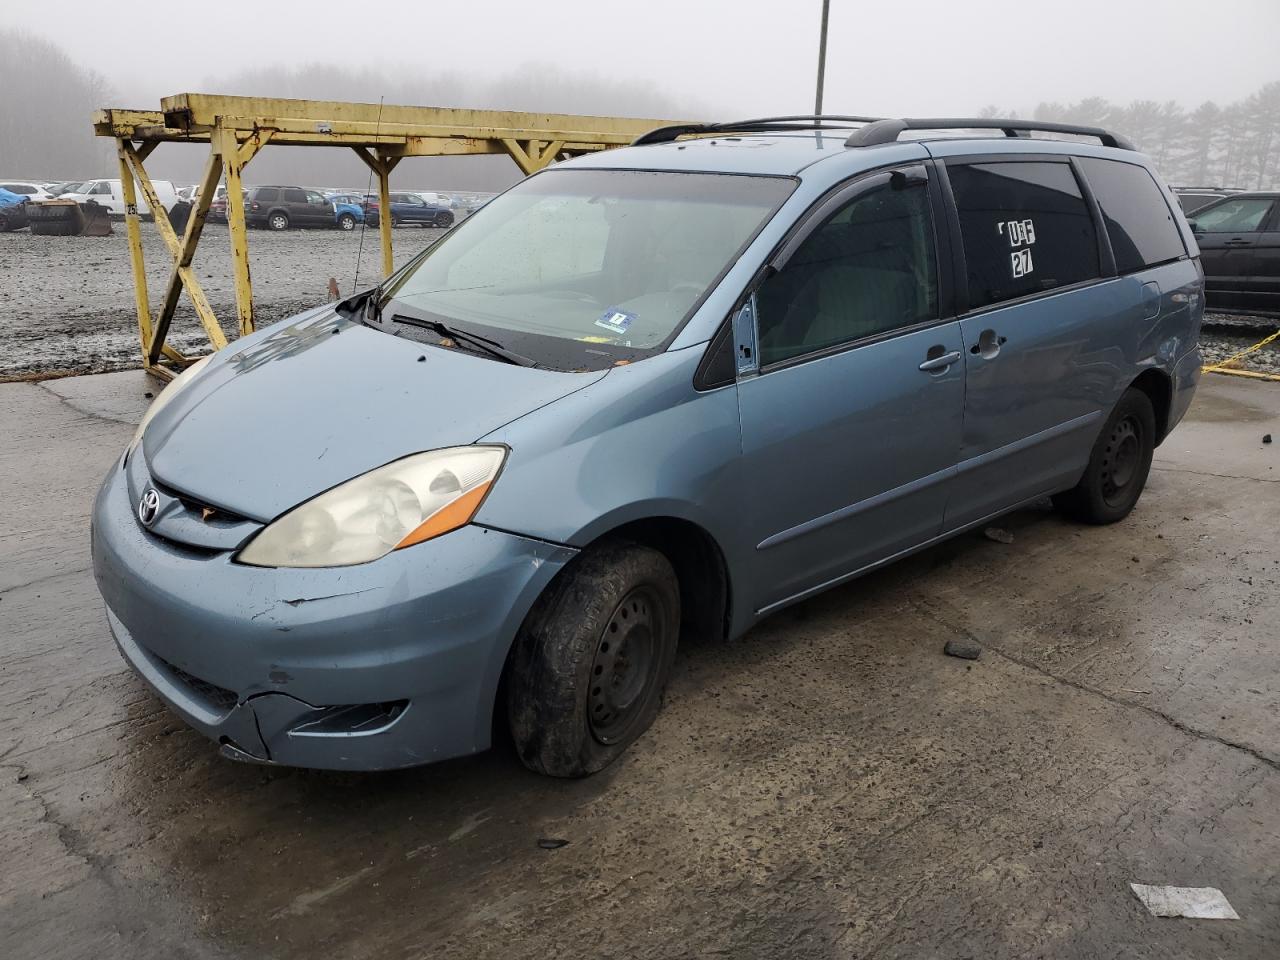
236	128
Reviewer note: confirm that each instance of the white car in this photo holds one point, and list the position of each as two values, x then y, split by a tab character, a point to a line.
108	193
28	188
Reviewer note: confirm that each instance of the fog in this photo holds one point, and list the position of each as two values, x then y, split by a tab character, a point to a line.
1150	66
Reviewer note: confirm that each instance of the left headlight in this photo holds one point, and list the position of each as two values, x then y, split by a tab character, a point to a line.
175	387
397	505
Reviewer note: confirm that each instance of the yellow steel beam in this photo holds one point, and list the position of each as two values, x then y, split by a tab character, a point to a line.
227	145
193	111
161	220
236	128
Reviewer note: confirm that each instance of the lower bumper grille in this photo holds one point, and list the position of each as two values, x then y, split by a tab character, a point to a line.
220	698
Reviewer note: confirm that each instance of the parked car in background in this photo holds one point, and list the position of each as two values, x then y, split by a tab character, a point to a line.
646	396
13	214
110	194
409	208
218	205
1193	198
27	188
347	215
63	187
282	207
1239	238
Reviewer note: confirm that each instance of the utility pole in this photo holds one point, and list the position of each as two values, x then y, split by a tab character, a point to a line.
822	58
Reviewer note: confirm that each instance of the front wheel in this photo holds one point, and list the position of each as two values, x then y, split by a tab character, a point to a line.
346	222
1118	467
586	674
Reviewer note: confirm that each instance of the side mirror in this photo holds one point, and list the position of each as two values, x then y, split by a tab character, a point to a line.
1195	227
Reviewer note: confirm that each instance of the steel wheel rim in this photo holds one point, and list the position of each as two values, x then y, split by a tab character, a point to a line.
1121	459
625	667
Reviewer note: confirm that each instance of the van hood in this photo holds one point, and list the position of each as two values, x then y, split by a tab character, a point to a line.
295	410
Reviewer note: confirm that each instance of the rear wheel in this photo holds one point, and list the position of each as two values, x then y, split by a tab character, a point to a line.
586	674
278	221
444	219
1118	467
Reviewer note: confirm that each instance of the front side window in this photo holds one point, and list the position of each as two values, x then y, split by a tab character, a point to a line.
1236	215
1025	227
1139	222
581	268
100	188
866	270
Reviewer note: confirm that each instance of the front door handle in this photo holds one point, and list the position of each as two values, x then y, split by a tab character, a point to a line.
940	363
1237	242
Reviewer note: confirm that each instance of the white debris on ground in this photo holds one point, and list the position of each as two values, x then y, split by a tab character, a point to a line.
1196	903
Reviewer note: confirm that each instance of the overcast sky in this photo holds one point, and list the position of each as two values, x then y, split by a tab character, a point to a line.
745	57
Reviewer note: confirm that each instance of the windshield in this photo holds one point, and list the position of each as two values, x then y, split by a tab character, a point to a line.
582	268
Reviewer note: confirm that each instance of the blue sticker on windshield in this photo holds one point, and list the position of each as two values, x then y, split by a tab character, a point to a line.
616	321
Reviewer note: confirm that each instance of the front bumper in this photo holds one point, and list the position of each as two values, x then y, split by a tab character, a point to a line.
388	664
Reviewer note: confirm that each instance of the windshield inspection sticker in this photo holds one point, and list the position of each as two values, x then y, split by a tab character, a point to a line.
616	321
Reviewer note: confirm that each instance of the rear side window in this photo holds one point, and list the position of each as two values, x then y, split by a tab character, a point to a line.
267	195
1025	226
293	195
1139	222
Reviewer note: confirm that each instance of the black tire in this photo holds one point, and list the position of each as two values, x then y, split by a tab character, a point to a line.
1118	467
444	219
278	220
346	221
586	675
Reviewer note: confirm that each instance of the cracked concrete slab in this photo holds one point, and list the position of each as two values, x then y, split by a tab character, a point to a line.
830	786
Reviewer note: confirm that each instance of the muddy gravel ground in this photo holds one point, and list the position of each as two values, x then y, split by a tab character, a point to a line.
69	303
69	300
829	786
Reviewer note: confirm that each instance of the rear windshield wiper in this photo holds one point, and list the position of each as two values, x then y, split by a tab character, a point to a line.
491	347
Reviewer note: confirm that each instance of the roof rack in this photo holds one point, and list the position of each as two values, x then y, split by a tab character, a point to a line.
887	131
759	125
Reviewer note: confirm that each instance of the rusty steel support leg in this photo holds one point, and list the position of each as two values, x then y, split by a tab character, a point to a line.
160	217
382	165
224	141
142	299
187	251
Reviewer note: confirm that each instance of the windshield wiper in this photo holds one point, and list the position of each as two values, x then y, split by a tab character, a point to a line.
491	347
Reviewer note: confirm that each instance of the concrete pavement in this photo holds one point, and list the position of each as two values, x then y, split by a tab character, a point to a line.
830	786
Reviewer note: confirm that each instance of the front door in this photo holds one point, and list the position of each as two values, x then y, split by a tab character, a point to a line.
851	421
1227	233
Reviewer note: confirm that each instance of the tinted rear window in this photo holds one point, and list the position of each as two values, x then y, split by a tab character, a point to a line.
294	195
1025	226
1139	222
267	194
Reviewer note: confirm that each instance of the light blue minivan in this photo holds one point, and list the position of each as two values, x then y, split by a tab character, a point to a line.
651	393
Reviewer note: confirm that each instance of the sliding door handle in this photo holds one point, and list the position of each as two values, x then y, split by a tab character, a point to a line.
940	363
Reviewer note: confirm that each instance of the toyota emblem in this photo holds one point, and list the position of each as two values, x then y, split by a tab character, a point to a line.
149	506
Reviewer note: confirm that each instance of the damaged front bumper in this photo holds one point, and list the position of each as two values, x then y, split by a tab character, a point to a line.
388	664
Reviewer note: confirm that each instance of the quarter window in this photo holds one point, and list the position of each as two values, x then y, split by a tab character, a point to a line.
868	269
1026	229
1139	221
1237	215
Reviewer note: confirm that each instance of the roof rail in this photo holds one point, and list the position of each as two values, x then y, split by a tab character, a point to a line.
758	125
887	131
